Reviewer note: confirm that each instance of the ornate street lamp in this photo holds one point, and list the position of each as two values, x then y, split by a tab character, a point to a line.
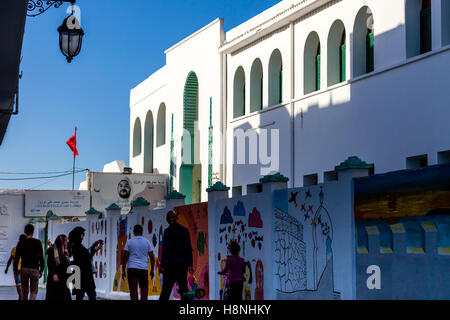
70	32
70	37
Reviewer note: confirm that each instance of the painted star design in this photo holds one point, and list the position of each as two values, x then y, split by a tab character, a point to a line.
310	208
308	194
294	198
306	216
304	207
313	222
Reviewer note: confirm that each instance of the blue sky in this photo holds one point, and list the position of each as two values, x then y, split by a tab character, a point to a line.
123	45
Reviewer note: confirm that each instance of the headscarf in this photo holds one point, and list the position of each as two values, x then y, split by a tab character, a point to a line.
59	250
75	237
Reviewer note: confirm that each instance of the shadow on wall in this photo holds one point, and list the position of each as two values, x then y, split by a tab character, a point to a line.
348	120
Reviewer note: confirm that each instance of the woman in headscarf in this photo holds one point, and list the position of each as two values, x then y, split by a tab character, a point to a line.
57	262
82	257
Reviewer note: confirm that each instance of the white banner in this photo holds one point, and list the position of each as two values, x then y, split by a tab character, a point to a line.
123	189
63	203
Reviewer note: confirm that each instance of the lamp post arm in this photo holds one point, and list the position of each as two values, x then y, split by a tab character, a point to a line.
38	7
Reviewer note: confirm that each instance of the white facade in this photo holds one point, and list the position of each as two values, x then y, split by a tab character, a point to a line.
398	110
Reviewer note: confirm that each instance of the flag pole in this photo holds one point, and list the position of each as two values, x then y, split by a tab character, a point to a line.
73	172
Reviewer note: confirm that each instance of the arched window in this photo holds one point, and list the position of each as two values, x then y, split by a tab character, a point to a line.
363	42
311	63
256	86
161	126
336	46
239	93
418	27
275	78
148	142
137	138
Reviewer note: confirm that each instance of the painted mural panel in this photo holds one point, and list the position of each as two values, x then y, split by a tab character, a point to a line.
99	231
153	223
241	220
195	218
403	193
403	226
312	248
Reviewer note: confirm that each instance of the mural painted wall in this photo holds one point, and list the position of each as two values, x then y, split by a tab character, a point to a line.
195	218
403	226
99	231
245	220
313	256
403	193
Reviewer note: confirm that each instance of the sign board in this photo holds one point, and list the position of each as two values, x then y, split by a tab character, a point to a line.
123	189
70	203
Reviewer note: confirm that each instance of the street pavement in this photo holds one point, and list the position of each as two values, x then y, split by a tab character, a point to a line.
10	293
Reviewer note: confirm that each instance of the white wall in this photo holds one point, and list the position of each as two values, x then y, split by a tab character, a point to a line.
12	223
382	118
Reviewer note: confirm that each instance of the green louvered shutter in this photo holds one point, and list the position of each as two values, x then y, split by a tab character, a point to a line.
261	93
281	87
342	62
425	30
370	52
318	72
243	102
190	108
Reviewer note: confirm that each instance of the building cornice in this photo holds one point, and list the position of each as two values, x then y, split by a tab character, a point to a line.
276	23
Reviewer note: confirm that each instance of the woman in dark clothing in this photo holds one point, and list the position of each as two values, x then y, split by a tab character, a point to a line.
57	262
82	258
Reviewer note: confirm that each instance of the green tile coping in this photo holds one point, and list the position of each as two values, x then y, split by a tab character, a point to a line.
276	177
174	195
113	206
92	211
218	186
353	163
140	202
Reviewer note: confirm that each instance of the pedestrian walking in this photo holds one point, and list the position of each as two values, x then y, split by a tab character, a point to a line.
58	261
136	254
16	274
30	255
82	257
176	258
234	271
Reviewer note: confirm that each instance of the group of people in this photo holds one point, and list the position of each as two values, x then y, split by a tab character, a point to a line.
28	262
176	261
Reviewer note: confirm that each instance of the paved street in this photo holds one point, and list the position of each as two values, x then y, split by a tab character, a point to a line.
10	293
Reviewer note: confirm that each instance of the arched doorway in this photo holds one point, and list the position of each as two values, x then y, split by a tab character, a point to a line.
191	169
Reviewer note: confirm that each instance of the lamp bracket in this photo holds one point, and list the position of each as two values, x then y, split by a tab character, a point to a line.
38	7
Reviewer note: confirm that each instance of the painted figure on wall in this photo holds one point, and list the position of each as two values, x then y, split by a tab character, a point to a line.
259	279
194	217
245	229
120	284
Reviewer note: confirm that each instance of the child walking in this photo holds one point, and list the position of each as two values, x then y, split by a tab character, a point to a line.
234	269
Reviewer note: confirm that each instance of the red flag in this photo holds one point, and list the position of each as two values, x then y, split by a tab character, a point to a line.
72	143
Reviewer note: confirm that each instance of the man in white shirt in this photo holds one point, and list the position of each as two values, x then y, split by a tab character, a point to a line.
135	260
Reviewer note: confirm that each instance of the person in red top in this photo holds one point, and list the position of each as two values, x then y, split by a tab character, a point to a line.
235	270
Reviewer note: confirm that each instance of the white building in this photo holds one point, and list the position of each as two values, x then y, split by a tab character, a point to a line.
313	81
